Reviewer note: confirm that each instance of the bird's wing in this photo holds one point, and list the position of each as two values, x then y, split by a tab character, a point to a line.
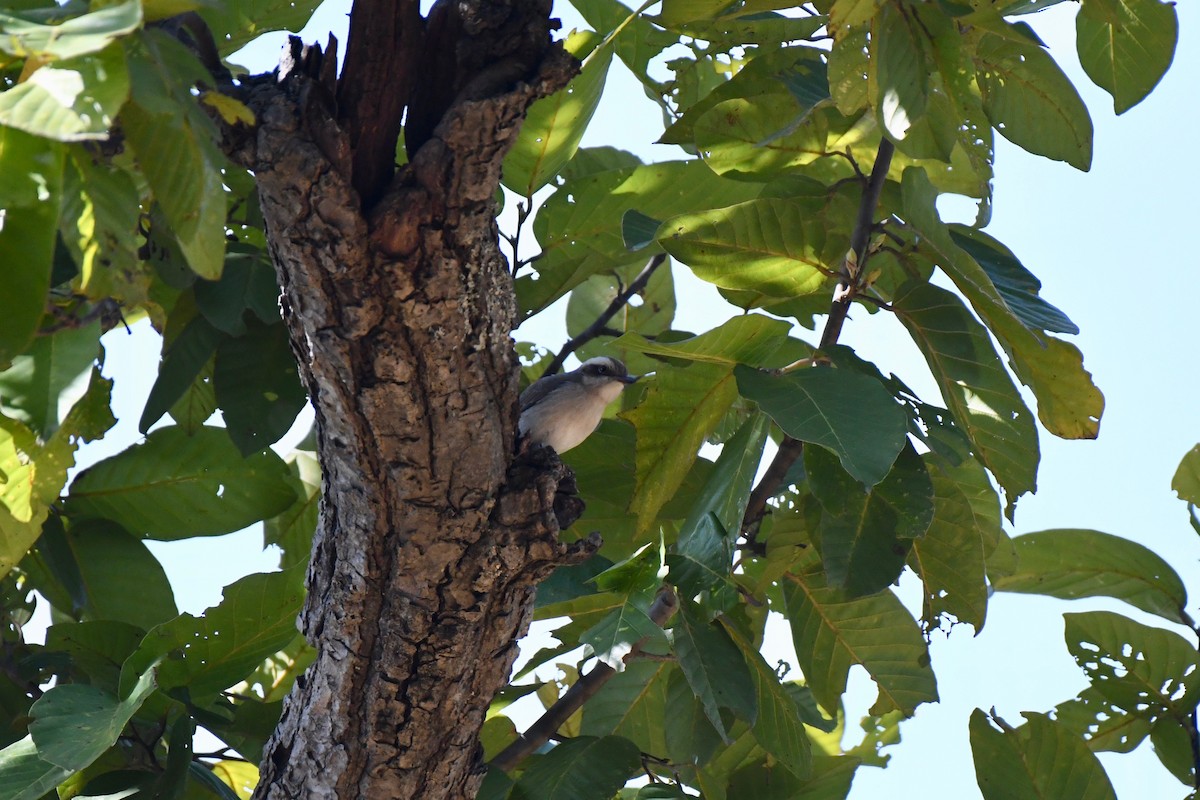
540	388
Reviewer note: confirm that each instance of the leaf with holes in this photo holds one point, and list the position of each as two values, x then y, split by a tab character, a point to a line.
1082	563
554	125
832	633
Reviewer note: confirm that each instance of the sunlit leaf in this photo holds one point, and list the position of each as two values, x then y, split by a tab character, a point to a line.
974	384
681	409
1125	46
1081	563
554	125
77	36
70	100
1031	102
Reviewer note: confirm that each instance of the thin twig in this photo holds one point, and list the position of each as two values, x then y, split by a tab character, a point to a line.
587	686
600	326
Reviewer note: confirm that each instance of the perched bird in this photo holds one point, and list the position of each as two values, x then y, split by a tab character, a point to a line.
563	410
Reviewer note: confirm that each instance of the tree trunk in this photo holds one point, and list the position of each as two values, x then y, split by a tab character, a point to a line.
431	539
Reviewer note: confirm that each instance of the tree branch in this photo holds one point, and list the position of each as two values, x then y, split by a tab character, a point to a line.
587	686
599	327
860	239
377	81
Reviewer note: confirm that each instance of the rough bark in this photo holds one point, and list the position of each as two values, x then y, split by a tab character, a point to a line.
431	539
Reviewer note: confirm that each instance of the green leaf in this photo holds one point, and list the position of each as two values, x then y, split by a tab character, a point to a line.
554	125
71	100
866	535
690	737
26	776
257	386
73	724
174	486
1080	563
1039	759
579	226
45	381
183	361
173	144
849	66
800	70
35	474
109	562
703	553
611	638
247	285
1031	102
1173	745
1069	404
852	13
833	633
634	40
811	405
292	531
1125	46
1016	285
30	193
1101	723
99	225
830	780
714	667
681	409
584	768
234	25
983	399
749	339
78	36
901	85
255	619
771	245
97	648
950	556
777	727
632	705
1137	667
1186	481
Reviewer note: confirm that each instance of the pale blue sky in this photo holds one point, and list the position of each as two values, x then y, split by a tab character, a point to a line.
1113	249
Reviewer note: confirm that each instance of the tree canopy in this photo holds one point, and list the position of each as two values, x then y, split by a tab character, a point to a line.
342	218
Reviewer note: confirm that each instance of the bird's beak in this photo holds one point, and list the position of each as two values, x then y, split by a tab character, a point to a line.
629	378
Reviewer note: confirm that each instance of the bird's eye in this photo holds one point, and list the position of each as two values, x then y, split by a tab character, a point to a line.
601	369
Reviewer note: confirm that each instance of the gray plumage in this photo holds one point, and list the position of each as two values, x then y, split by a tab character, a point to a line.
563	410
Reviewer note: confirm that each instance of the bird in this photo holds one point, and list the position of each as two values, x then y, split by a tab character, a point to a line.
563	410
